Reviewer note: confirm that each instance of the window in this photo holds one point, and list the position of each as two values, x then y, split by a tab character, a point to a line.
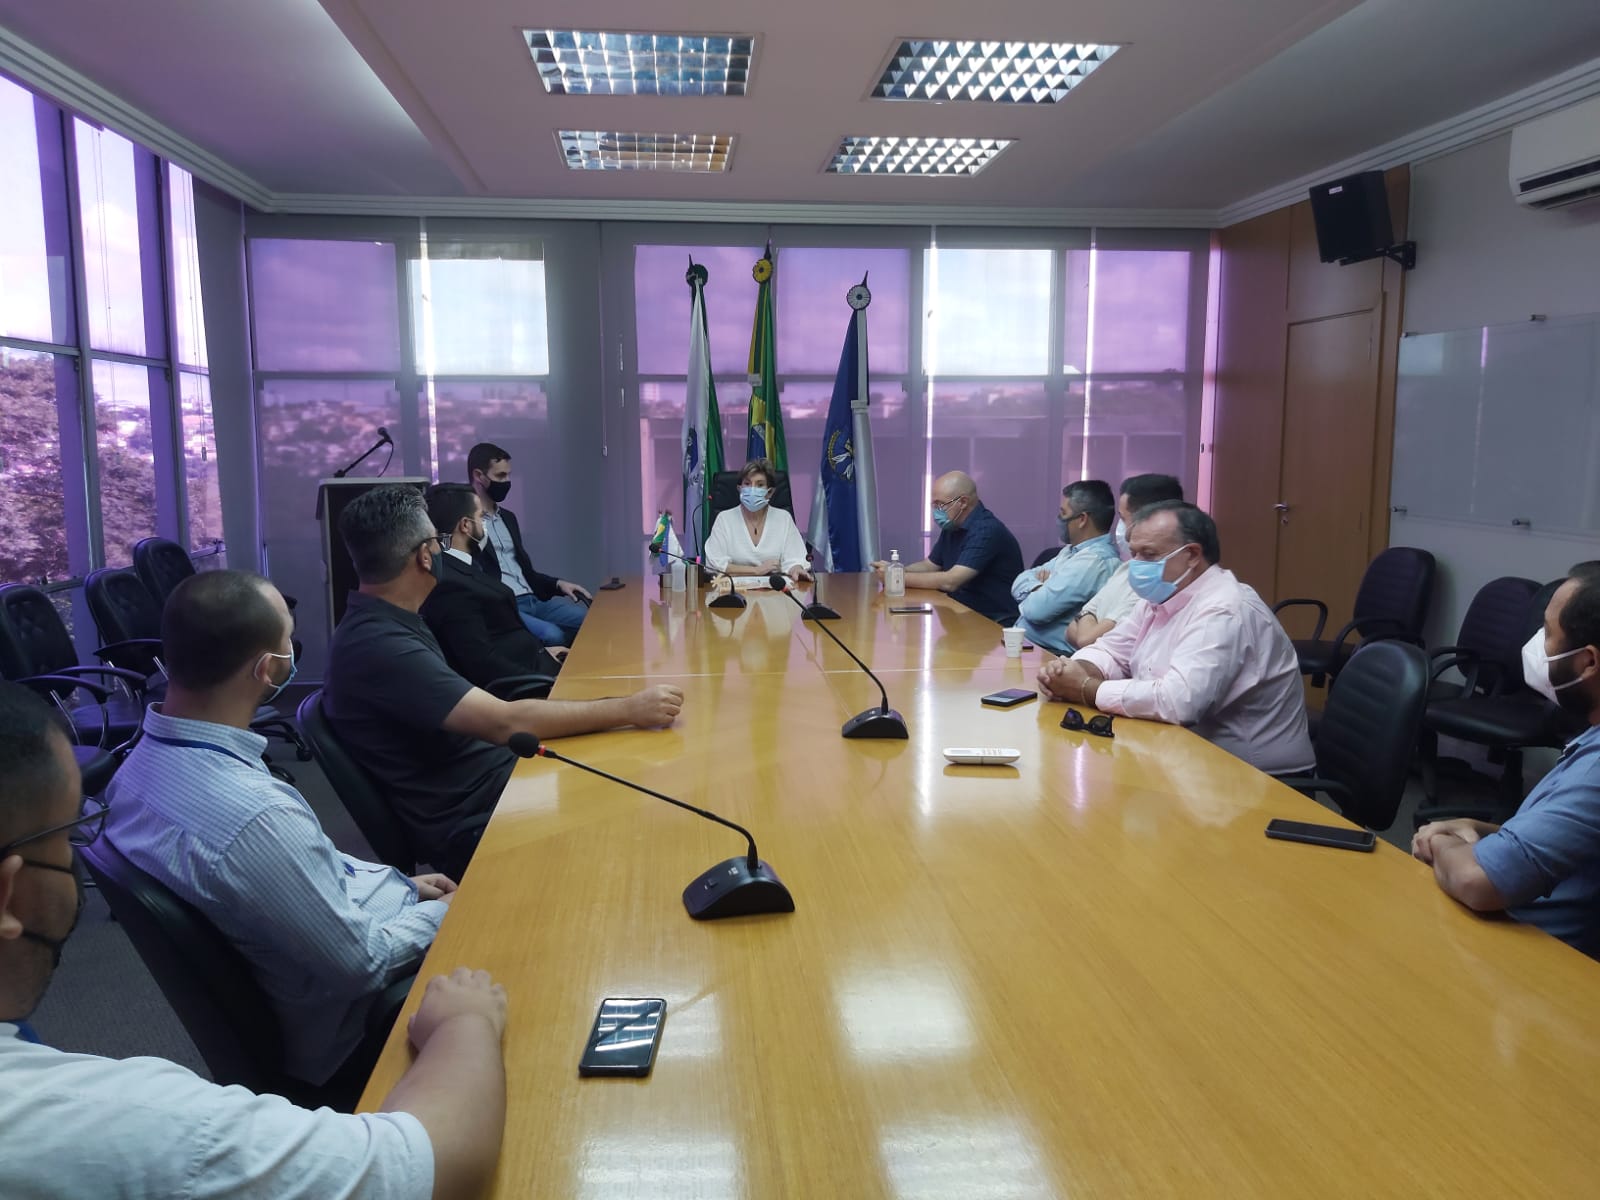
324	306
118	211
989	312
197	429
34	299
124	394
35	390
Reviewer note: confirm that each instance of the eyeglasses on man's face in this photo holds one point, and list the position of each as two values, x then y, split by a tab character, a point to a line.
83	830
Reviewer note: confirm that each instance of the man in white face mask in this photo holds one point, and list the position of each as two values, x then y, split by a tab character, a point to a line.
1542	867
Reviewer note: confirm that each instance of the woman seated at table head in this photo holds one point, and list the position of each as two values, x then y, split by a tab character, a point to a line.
755	538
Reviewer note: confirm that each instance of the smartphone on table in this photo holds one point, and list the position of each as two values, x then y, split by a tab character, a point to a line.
1337	836
1009	698
624	1038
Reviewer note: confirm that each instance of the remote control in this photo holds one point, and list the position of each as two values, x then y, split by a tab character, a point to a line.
982	757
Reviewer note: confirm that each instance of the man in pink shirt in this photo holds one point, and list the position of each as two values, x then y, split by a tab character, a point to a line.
1200	649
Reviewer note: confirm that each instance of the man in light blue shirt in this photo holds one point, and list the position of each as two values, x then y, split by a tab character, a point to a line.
1051	596
1542	867
76	1125
195	808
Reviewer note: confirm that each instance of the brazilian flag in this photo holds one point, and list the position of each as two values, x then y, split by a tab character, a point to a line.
766	422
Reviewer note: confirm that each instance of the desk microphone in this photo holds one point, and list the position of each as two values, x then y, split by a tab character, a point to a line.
729	599
881	722
739	887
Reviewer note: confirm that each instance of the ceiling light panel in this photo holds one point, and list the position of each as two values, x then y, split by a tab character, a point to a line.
585	150
915	155
579	62
995	72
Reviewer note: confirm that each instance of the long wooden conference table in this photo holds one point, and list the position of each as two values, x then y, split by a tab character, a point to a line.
1087	975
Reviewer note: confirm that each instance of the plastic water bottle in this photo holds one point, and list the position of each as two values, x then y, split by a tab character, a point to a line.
894	578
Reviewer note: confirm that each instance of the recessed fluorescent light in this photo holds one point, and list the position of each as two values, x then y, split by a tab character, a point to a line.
998	72
914	155
579	62
586	150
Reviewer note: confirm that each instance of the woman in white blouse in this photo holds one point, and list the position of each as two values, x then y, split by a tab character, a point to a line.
755	538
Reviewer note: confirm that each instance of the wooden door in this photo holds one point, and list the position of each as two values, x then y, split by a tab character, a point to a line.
1329	414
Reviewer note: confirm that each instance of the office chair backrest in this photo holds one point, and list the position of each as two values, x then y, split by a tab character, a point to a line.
1398	585
123	610
33	637
161	565
725	492
1370	725
357	790
1493	630
208	983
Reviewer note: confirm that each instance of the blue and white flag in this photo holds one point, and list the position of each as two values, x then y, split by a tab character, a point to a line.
844	510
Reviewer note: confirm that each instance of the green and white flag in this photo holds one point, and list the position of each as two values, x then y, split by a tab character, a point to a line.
765	439
702	423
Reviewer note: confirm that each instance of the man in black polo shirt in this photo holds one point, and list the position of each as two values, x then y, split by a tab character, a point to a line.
975	558
435	743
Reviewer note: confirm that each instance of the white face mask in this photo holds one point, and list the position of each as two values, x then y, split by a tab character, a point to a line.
1536	668
1120	536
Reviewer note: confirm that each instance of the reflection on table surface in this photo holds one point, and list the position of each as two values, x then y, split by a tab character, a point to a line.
1089	974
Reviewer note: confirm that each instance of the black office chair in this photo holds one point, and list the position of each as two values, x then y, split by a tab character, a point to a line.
1392	602
521	687
1044	556
213	990
1492	706
356	789
161	565
37	651
1368	732
128	619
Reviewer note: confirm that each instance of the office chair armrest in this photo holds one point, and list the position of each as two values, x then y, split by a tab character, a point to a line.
1464	661
132	678
1310	785
49	683
1322	614
109	652
1373	629
521	687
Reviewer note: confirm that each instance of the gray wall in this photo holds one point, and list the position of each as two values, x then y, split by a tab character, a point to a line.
1482	259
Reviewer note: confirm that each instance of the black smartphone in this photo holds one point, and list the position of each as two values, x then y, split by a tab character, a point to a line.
913	608
624	1038
1009	698
1336	836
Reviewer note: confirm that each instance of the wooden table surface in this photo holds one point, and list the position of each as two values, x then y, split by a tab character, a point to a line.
1087	975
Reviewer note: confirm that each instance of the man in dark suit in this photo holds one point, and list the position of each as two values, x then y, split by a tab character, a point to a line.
551	608
475	618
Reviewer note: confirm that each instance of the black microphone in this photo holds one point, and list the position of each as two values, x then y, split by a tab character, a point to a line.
384	435
881	722
738	887
729	599
383	440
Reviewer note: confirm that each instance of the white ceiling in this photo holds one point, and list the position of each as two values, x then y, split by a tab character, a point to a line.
1211	101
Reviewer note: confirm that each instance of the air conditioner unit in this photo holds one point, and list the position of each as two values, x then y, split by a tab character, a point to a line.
1555	159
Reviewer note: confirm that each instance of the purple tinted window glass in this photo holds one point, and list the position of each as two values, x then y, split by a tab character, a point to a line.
123	394
34	300
120	214
661	302
1117	428
661	440
997	433
199	459
514	416
188	314
35	389
325	306
812	312
1141	310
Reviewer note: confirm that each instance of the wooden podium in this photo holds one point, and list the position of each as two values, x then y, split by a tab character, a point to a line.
338	572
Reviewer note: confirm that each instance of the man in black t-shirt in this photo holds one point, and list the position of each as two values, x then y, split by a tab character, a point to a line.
976	556
433	741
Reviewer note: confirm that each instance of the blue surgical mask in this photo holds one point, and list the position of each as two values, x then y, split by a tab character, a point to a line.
288	679
754	499
1145	578
941	518
1120	536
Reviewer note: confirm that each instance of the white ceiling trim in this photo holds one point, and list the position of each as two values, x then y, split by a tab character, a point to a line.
74	91
53	78
1476	125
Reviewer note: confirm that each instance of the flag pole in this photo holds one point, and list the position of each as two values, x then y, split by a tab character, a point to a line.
861	431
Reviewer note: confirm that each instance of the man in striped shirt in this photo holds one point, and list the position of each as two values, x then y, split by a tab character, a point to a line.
195	808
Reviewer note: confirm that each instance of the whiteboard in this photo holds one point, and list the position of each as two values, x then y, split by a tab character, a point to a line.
1501	425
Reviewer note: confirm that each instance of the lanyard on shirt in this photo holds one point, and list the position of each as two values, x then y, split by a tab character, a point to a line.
190	744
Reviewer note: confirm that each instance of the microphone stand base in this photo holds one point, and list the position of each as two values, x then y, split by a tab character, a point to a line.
728	600
732	889
818	612
876	723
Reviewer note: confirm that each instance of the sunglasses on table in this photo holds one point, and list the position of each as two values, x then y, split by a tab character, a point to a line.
1099	726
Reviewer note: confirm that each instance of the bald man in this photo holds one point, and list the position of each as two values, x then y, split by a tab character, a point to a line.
976	556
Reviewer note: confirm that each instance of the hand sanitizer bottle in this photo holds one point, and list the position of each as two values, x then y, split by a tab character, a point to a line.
894	578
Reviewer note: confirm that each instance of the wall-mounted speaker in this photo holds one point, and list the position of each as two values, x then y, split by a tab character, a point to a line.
1352	218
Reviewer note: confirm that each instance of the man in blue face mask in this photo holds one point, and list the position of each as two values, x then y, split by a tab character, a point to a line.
1542	867
975	557
1200	649
1052	595
196	809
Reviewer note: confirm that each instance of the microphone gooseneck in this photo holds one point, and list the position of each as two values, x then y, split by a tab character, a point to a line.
780	583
